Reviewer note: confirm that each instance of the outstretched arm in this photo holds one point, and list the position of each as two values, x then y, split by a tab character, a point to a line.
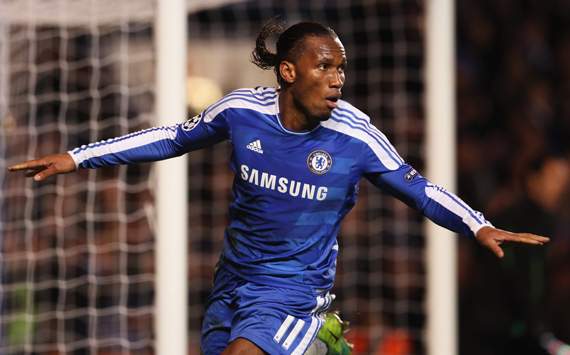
151	144
448	210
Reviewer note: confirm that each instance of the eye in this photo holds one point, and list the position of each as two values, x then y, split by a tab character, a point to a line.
323	66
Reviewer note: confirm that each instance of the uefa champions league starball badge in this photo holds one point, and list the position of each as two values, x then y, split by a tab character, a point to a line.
319	162
192	123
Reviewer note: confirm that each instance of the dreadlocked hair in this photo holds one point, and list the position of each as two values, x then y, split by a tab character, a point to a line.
261	56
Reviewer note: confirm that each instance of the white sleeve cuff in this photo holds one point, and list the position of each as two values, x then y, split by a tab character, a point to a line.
75	159
476	228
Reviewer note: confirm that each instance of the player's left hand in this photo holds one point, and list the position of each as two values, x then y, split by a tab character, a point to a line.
492	238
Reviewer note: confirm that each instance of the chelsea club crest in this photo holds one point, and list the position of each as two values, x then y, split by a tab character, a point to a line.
319	162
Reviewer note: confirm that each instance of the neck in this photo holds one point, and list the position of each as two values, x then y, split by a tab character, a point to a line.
293	117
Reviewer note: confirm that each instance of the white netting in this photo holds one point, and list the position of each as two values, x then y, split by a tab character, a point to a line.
77	260
380	282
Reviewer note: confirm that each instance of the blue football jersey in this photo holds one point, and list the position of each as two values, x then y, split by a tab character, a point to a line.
291	189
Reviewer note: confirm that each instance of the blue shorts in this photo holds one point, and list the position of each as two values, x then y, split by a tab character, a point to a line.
278	320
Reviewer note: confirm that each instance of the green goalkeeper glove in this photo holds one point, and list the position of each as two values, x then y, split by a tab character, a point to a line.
330	339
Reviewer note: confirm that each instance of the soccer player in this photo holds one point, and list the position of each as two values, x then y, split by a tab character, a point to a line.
299	152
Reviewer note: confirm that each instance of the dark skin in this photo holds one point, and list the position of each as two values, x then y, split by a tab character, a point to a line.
313	83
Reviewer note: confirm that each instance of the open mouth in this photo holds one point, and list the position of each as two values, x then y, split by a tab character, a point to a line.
332	101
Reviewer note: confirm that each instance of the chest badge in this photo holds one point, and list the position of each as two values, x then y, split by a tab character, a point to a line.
319	162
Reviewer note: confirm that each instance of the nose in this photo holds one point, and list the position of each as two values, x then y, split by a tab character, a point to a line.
337	80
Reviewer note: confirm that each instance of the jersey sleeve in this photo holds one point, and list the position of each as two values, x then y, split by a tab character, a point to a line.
404	182
157	143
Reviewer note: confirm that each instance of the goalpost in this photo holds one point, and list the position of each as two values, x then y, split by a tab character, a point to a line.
442	303
172	181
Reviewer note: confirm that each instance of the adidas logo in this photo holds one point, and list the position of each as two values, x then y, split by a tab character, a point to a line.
255	146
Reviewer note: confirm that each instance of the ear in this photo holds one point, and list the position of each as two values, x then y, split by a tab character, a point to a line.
287	71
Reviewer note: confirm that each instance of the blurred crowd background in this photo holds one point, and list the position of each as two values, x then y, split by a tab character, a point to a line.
77	251
513	114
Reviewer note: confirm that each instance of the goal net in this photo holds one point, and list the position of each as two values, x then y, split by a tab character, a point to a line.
77	259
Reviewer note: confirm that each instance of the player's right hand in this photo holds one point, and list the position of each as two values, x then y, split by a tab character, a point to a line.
46	166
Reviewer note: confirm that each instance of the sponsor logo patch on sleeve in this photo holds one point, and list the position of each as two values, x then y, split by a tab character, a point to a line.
411	175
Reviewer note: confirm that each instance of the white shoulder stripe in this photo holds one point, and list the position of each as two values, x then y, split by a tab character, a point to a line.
119	145
348	106
365	125
385	140
348	112
239	102
361	135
